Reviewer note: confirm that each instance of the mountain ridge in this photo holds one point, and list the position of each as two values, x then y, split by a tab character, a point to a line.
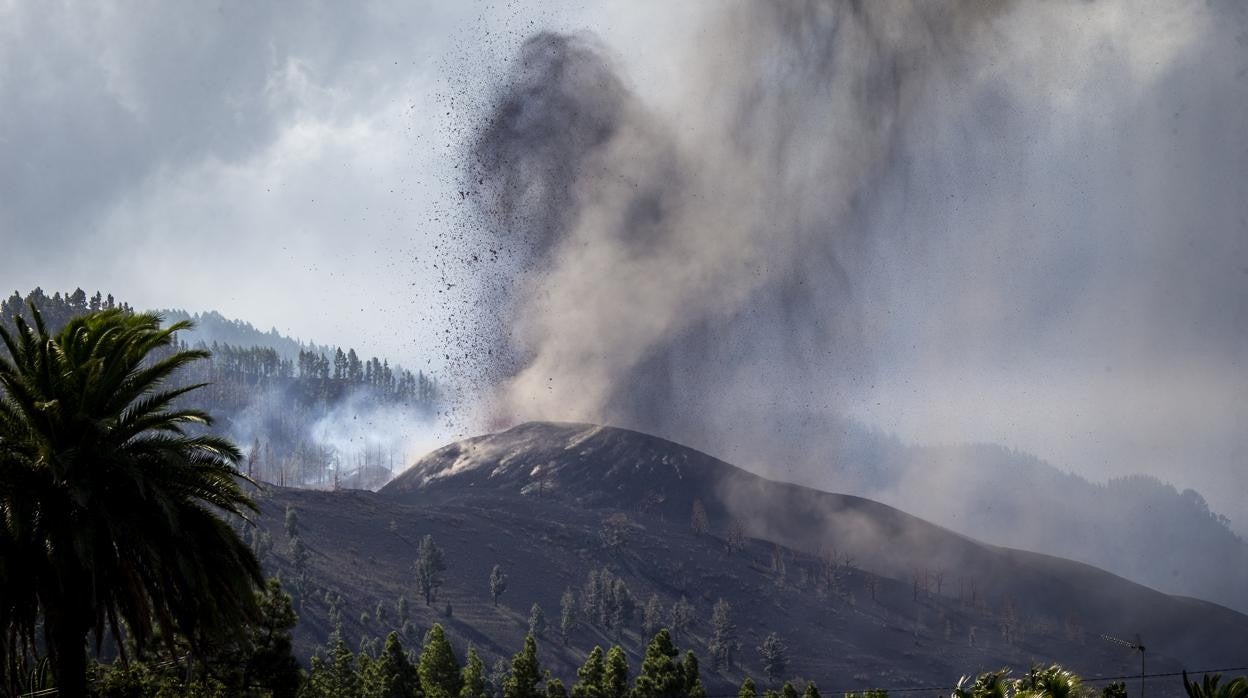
587	462
1145	529
864	594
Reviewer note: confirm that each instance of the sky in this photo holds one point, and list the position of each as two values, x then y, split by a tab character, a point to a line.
1060	266
283	163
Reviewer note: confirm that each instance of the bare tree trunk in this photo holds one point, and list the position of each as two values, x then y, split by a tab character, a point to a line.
69	656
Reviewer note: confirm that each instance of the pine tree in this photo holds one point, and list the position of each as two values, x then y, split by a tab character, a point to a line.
606	604
340	364
366	668
693	676
700	522
401	609
567	615
335	603
299	556
269	661
353	371
78	302
526	673
652	617
622	606
615	679
723	643
774	656
680	619
499	672
555	689
393	675
592	599
430	563
660	675
537	621
812	691
589	678
748	690
380	614
439	670
253	461
292	522
788	691
335	675
498	583
473	677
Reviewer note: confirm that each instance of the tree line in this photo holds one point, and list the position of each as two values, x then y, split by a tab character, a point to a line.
120	527
260	663
271	400
315	374
57	309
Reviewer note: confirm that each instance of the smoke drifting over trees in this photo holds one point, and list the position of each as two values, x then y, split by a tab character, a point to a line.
307	415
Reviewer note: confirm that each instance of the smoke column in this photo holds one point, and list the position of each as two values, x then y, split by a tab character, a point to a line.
839	201
666	258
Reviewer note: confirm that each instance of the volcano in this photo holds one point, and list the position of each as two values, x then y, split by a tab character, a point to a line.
863	594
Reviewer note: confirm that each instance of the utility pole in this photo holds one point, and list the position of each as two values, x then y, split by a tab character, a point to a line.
1137	646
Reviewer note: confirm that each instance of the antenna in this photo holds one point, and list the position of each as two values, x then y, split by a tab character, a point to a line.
1138	646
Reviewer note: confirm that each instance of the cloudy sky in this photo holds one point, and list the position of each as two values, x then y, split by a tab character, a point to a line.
294	165
284	163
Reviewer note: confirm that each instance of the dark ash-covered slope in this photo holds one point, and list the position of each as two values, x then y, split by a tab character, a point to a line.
657	482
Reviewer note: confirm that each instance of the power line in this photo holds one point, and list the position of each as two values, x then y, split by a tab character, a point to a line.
1093	679
908	689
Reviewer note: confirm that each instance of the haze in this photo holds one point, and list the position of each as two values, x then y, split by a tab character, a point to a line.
1051	254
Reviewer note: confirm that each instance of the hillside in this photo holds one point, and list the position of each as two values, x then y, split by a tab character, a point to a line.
307	415
864	594
1136	526
310	414
212	327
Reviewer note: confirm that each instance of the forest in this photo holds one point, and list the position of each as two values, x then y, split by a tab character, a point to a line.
170	575
270	393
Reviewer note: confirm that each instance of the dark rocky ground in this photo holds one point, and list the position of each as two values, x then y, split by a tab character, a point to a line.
549	502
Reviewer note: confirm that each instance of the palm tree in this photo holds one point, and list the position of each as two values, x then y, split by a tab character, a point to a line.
991	684
1049	682
1211	687
1040	682
112	515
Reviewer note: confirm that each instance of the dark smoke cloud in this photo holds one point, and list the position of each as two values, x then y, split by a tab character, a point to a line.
658	239
973	222
666	258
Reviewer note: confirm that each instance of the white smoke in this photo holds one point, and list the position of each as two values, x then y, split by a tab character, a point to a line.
371	443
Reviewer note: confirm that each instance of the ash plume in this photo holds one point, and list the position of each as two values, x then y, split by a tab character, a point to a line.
646	242
910	215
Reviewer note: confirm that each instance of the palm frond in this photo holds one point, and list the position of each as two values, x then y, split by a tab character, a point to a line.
111	516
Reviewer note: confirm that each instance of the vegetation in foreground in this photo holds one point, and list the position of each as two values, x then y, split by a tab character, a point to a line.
263	667
120	525
114	515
